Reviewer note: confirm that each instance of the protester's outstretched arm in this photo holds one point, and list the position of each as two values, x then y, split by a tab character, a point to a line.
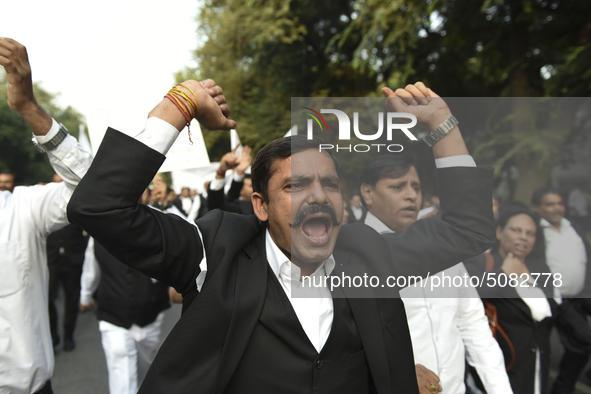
68	159
215	193
106	202
466	227
70	162
244	161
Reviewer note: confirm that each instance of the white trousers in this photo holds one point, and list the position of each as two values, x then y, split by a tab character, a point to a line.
129	353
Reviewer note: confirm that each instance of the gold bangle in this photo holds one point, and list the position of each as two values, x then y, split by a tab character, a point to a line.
194	95
179	93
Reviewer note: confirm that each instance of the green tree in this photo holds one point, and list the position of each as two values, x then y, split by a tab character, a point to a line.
265	52
490	48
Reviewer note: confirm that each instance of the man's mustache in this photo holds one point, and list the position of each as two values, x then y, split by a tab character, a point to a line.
312	209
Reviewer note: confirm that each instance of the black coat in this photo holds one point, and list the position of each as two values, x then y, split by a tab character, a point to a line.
231	203
515	318
67	246
206	345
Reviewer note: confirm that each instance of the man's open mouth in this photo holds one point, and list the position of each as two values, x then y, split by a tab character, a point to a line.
317	229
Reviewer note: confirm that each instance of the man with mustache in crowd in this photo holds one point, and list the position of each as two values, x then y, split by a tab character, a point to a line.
445	323
27	216
241	331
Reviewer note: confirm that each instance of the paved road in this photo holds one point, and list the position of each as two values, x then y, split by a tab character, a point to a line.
84	371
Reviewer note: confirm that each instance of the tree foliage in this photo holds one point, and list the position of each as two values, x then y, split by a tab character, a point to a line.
265	52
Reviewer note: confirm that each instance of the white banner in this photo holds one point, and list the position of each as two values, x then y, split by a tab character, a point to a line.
182	155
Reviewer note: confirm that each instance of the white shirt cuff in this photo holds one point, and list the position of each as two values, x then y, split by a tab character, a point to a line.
217	184
55	127
85	298
158	135
238	178
455	161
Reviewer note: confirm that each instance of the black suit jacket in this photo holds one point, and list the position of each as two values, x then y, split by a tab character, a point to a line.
73	240
207	343
217	200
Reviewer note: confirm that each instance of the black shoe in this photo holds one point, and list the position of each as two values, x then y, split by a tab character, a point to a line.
69	344
56	340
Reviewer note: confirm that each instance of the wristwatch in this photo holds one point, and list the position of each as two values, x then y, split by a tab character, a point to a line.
52	143
441	131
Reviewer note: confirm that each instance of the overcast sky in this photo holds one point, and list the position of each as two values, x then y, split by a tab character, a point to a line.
112	60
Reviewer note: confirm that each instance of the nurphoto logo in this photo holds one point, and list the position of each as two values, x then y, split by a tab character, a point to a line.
344	133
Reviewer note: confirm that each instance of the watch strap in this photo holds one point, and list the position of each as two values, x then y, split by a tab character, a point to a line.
52	143
441	131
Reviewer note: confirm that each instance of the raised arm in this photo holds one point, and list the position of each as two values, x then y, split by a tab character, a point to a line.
105	204
70	162
215	194
466	227
244	161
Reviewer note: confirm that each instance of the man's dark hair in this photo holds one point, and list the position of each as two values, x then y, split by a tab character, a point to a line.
536	198
387	166
8	172
509	209
282	148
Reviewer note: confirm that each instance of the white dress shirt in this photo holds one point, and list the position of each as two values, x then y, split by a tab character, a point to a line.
186	203
447	324
357	212
315	311
91	274
565	255
195	207
27	217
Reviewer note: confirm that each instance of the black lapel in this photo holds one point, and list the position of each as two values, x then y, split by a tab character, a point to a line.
249	298
367	318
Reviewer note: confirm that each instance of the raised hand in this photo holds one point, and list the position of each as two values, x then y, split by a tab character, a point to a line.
14	58
422	102
213	111
431	111
244	160
229	161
